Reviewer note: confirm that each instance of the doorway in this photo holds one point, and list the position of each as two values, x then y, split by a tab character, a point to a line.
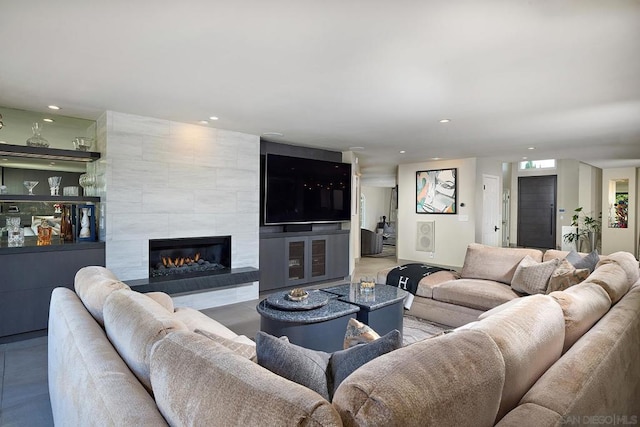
490	211
537	211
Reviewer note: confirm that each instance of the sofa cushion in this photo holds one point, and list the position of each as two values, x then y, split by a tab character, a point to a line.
134	322
589	261
320	371
358	333
451	380
612	278
491	263
93	285
532	277
195	319
565	276
426	284
478	294
199	382
162	299
530	336
89	384
625	260
240	348
600	373
583	305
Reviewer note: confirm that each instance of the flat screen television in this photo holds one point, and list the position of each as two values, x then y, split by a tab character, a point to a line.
303	191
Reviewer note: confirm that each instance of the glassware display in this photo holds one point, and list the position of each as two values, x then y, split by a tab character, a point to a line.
85	231
54	184
87	182
70	191
66	230
15	233
30	186
37	140
45	231
82	144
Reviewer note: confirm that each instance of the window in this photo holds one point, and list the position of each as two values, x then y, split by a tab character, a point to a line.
537	164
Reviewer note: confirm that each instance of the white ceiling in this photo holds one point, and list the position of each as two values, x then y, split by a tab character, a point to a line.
562	76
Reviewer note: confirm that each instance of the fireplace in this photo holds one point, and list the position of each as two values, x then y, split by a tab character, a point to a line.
189	256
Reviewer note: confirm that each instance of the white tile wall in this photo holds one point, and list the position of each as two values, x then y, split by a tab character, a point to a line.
166	179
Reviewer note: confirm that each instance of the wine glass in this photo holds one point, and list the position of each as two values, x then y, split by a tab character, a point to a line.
30	186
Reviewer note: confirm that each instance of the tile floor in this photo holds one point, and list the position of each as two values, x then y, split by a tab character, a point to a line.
24	395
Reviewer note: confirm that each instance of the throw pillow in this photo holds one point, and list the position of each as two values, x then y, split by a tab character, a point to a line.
531	277
320	371
242	349
565	276
589	261
344	362
306	367
358	333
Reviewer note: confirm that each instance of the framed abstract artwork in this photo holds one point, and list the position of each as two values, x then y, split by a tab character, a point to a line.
436	191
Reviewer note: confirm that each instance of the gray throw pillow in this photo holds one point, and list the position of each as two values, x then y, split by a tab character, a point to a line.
589	261
344	362
532	277
320	371
309	368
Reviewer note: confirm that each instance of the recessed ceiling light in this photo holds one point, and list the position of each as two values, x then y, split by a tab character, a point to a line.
53	107
531	148
273	134
445	120
48	120
203	122
524	158
213	118
436	158
402	151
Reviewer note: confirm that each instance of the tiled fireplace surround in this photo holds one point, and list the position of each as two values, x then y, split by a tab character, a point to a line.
161	179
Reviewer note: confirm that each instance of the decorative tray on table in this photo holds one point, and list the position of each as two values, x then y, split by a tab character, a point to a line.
298	299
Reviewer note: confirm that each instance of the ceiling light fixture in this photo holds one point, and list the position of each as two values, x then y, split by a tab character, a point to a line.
531	148
53	107
445	120
213	118
203	122
48	120
402	151
436	158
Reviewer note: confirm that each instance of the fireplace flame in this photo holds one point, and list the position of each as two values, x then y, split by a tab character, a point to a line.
180	261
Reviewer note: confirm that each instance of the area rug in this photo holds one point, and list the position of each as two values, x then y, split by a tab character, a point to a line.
415	329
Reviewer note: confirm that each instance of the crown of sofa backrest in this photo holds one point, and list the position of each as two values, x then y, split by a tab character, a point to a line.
615	273
530	336
491	263
452	380
134	323
93	285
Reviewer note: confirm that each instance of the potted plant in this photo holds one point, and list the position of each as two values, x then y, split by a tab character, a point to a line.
586	231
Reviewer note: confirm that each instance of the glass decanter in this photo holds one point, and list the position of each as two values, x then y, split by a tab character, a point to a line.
37	140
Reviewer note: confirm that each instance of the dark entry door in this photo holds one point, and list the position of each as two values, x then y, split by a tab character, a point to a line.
537	211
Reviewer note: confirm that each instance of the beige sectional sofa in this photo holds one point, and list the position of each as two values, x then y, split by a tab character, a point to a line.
485	281
118	357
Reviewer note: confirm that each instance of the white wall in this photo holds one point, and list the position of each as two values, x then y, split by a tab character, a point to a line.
164	179
452	232
377	202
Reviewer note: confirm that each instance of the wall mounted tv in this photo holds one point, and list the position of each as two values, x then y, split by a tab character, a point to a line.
302	191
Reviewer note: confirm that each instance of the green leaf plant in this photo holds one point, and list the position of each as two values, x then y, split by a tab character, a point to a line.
584	227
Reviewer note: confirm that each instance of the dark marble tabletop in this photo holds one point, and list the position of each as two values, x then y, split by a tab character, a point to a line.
331	310
378	297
